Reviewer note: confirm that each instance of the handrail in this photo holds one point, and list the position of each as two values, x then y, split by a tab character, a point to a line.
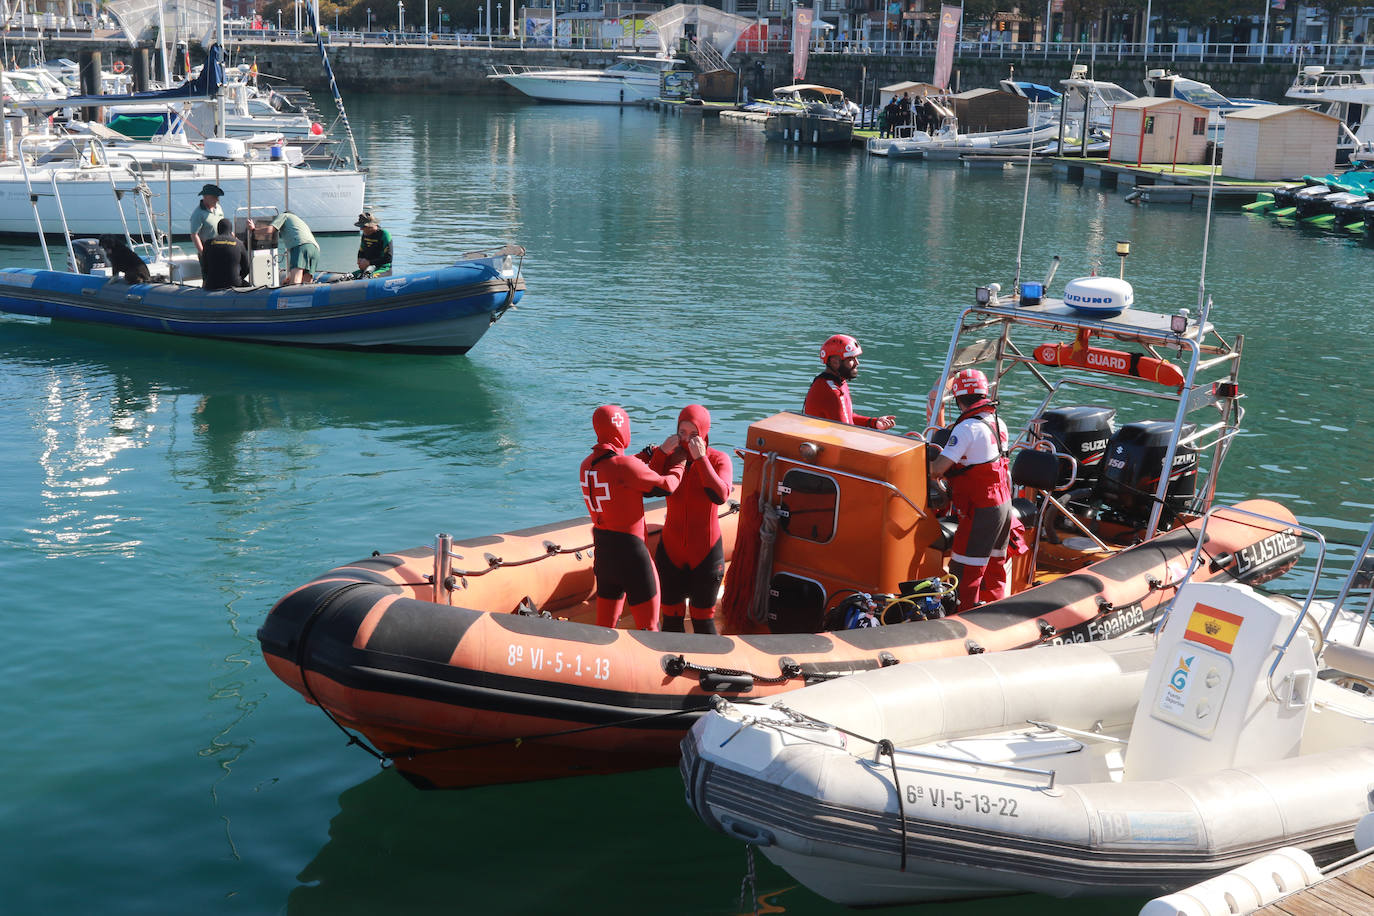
825	470
966	761
1279	526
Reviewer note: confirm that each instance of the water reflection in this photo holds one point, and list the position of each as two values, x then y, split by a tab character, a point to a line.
613	844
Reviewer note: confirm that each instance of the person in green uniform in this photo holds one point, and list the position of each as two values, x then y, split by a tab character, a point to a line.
205	218
374	247
302	251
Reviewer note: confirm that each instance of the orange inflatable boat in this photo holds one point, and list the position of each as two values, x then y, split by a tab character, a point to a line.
478	661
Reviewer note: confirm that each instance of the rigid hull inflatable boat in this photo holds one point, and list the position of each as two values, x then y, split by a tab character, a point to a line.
1133	767
478	661
440	311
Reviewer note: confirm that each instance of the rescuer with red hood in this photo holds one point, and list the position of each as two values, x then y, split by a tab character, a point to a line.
974	462
690	558
613	486
828	397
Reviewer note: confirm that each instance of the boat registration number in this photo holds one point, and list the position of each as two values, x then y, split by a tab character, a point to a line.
975	802
540	660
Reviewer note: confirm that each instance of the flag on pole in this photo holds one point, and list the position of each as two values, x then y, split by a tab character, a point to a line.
801	41
944	46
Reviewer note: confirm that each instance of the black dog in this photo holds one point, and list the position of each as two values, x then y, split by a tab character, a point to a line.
124	261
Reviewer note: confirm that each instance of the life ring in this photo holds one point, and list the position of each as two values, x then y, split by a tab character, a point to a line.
119	66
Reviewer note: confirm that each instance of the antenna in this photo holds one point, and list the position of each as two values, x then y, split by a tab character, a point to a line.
1204	302
1025	200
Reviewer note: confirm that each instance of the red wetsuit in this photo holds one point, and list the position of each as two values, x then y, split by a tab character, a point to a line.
829	400
690	558
613	487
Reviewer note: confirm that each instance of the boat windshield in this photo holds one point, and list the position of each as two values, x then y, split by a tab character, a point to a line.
1111	92
1199	93
632	66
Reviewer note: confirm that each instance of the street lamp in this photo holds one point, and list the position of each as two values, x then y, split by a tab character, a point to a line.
426	23
278	19
488	17
441	19
500	22
369	19
297	5
400	18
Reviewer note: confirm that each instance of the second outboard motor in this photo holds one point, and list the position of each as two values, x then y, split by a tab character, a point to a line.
1130	472
89	255
1081	433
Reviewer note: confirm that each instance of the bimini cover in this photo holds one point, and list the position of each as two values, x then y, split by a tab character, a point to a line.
205	86
1104	296
717	28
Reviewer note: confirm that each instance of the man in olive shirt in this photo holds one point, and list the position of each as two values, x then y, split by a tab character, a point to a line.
225	262
205	218
302	251
374	248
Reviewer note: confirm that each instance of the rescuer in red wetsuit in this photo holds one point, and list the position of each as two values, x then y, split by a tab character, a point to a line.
613	486
974	463
690	558
829	394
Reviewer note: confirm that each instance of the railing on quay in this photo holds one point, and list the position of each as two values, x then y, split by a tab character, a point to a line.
1338	56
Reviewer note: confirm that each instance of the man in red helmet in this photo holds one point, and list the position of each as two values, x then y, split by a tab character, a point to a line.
829	394
690	558
975	464
613	486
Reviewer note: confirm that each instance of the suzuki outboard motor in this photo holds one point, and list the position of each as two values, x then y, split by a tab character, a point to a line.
1130	472
89	255
1081	433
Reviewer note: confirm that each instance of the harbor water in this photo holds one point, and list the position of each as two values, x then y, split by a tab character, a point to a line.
160	494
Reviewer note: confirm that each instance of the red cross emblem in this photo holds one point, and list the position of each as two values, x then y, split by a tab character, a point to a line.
594	492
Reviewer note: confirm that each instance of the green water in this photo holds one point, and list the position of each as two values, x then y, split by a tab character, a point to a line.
158	495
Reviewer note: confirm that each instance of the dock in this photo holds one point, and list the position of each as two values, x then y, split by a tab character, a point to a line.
1155	183
1346	890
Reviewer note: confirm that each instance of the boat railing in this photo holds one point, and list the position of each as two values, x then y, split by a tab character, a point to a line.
1274	545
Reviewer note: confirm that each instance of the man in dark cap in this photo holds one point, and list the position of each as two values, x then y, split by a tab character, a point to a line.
374	247
225	261
205	219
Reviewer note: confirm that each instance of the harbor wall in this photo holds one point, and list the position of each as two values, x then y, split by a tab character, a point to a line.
407	68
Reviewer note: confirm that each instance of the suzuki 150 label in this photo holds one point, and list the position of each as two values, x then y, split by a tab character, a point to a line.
541	660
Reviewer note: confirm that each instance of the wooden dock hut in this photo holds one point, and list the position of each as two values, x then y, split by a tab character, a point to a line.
1158	130
1269	142
980	110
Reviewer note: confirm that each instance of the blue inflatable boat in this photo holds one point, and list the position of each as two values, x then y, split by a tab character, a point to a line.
440	311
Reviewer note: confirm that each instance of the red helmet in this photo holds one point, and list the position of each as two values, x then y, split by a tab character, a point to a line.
969	381
841	345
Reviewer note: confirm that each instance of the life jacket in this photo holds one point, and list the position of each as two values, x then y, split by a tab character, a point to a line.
984	483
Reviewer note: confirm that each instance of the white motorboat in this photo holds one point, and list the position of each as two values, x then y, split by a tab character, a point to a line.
1132	767
632	80
1165	85
88	160
1344	94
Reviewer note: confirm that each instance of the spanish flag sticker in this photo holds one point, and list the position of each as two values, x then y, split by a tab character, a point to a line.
1213	628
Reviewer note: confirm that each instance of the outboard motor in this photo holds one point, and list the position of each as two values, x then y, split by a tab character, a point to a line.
89	255
1130	472
1081	433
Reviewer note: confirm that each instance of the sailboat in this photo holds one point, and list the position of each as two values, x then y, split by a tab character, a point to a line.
167	175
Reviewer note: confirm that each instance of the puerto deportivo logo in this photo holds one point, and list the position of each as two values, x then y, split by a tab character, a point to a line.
1179	679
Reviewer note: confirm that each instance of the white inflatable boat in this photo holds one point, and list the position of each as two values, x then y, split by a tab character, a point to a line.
1134	767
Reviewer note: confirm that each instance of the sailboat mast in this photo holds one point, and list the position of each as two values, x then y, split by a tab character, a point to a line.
221	114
